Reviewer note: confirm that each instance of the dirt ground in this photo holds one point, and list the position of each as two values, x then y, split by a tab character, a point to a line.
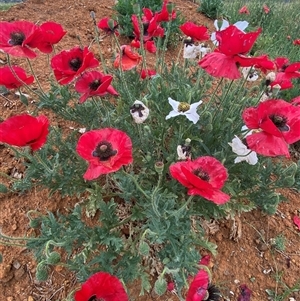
251	259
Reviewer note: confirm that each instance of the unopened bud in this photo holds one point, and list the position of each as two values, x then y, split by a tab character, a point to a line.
159	167
136	9
275	89
170	7
111	24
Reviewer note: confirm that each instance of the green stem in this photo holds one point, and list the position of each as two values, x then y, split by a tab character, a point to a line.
184	206
137	185
98	42
36	78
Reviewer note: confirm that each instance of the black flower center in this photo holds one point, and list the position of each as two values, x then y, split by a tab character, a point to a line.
283	67
213	293
203	175
16	38
280	122
75	63
188	41
137	108
94	298
104	151
95	84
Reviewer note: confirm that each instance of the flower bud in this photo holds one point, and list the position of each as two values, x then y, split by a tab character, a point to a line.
54	258
159	167
111	24
42	272
136	9
170	7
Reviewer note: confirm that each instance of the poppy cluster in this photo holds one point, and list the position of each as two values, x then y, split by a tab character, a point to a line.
232	53
275	124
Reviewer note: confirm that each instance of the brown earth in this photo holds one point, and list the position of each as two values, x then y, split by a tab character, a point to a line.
250	259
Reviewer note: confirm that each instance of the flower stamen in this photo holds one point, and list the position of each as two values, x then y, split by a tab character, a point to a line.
17	38
104	151
203	175
183	107
280	122
75	64
95	85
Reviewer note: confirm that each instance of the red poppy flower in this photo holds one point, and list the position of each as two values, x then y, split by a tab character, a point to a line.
17	38
147	73
51	33
199	286
108	25
286	72
164	15
278	124
244	10
198	33
102	286
151	27
93	83
25	130
149	45
266	9
106	150
129	59
204	176
69	64
231	53
14	79
296	42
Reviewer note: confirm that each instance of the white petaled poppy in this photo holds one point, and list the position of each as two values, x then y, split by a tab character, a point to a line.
183	108
184	151
250	74
241	25
239	148
139	112
192	51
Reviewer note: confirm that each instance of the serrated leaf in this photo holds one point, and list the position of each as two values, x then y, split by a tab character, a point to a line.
160	286
3	188
144	248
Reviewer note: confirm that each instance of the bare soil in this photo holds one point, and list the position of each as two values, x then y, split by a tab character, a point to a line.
249	259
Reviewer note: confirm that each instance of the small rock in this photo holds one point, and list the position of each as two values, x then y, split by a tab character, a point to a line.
16	264
19	273
10	299
30	298
262	247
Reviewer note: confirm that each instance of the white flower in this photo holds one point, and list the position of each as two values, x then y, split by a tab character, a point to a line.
139	112
241	25
183	108
250	74
184	151
244	154
191	51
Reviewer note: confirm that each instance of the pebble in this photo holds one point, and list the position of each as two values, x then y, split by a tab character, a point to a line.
16	264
